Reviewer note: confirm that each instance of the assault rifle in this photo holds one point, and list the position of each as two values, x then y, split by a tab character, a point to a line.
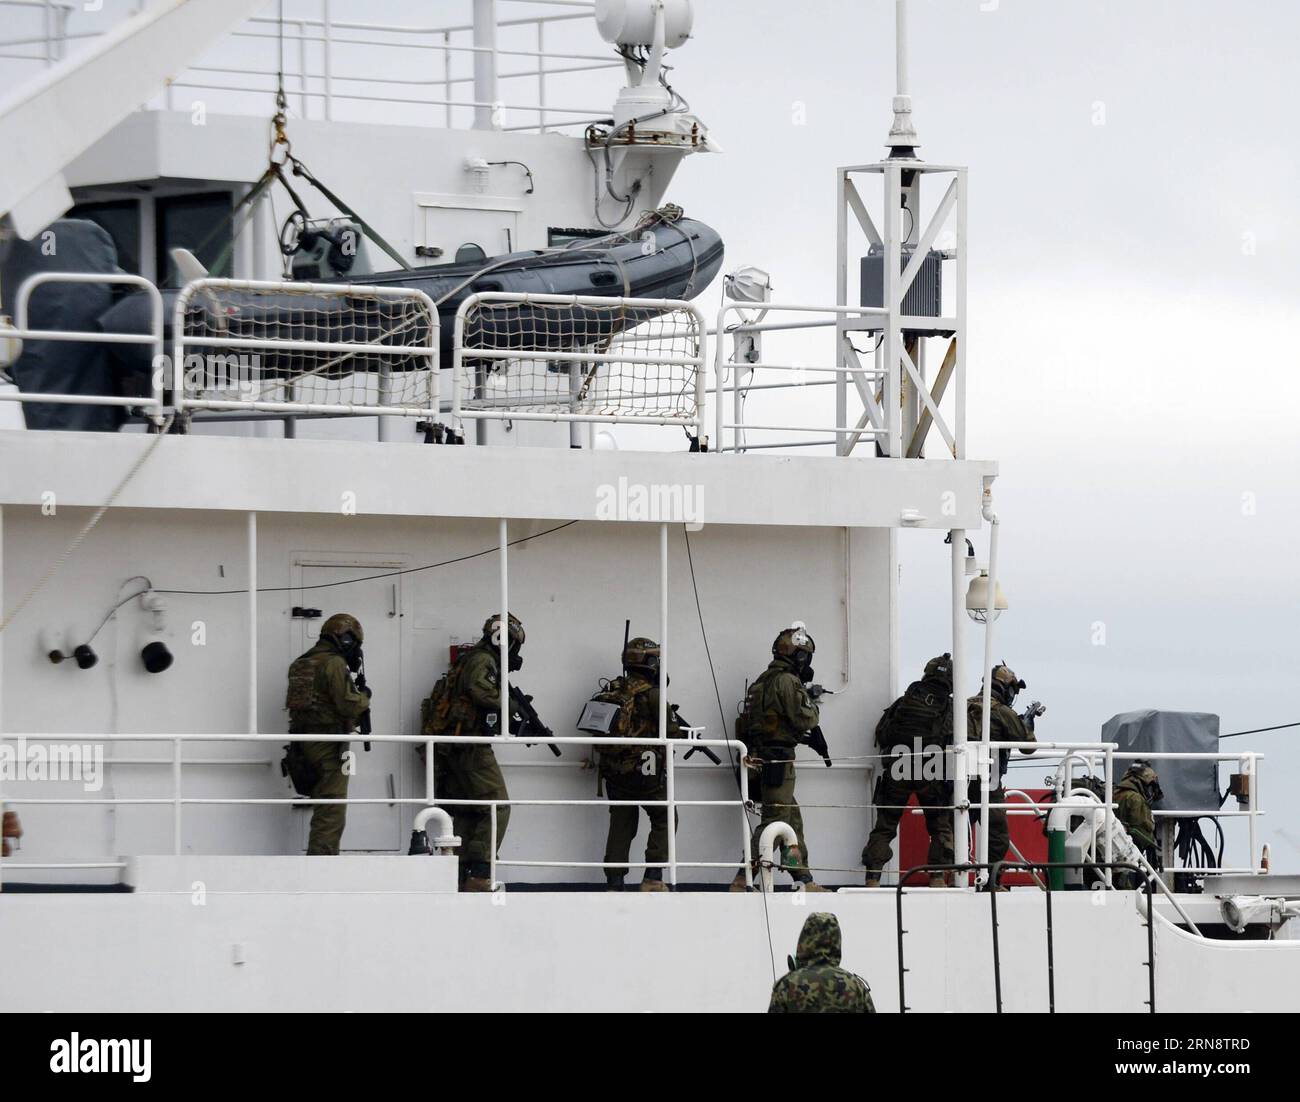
1036	708
817	741
525	721
363	720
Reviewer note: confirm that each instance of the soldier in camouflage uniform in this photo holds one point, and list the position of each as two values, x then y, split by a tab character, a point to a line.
1005	725
468	702
779	714
922	713
637	772
816	984
323	700
1136	792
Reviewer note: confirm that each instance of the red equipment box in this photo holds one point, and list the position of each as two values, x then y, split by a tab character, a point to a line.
1026	835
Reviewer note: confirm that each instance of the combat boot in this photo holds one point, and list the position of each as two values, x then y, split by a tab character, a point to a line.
738	884
812	886
478	877
940	880
871	881
649	885
613	882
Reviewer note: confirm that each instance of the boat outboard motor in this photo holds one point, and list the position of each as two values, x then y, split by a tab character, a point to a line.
321	250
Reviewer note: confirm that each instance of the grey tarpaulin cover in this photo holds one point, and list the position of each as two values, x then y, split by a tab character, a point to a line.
63	367
1187	785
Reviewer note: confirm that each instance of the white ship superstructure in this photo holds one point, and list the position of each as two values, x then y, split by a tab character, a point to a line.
710	475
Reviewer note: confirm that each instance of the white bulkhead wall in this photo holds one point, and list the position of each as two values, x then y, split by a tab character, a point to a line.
403	180
573	589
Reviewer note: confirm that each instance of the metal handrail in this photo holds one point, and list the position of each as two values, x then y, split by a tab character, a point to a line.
322	31
736	751
429	351
722	368
20	330
695	363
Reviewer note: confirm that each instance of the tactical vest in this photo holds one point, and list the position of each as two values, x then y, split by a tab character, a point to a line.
924	711
310	710
759	723
997	731
630	696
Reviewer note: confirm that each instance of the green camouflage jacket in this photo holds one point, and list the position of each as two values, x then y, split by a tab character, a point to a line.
476	690
779	708
1005	725
817	984
321	697
1135	813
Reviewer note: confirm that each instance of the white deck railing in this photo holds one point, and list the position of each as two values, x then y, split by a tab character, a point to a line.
323	376
650	372
178	801
21	331
1105	754
436	74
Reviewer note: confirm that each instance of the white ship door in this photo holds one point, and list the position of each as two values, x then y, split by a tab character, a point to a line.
377	603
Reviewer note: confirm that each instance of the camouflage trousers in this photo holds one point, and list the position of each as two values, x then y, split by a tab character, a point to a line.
891	798
773	785
999	834
327	820
472	773
626	818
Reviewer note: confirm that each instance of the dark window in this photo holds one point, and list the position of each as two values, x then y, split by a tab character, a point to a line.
120	219
558	235
200	223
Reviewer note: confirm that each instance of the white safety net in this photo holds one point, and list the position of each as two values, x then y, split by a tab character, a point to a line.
607	358
308	347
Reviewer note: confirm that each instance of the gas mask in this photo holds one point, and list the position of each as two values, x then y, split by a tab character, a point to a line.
350	647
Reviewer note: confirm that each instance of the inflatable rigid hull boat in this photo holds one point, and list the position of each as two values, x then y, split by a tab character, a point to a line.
662	259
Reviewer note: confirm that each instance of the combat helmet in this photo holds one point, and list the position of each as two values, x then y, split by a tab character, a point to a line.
796	643
1005	683
341	624
642	654
516	630
939	669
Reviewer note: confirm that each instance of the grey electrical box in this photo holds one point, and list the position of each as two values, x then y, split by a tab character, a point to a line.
924	299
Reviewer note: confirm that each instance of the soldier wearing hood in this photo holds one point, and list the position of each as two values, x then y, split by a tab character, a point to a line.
816	984
1134	795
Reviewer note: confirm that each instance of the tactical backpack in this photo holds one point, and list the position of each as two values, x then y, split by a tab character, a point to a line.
435	709
754	726
921	712
623	696
444	708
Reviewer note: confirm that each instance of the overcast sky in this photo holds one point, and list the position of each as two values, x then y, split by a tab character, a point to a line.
1133	285
1133	282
